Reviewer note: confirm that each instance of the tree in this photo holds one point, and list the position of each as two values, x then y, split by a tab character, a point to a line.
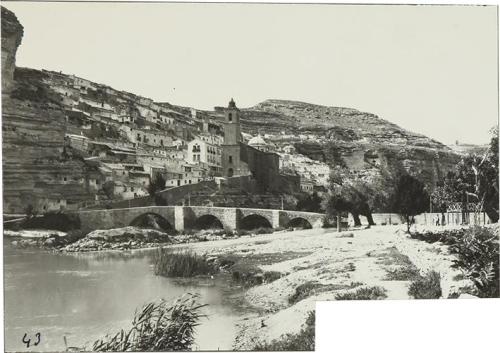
310	203
157	184
474	180
109	188
360	195
410	198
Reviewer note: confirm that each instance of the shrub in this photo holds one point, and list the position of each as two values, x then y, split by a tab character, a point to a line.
160	326
248	275
364	293
478	257
303	291
271	276
404	273
477	251
428	287
302	341
176	263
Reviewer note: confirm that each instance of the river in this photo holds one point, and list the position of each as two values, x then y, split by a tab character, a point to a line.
85	296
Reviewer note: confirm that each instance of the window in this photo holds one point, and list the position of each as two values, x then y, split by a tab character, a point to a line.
230	159
65	179
189	181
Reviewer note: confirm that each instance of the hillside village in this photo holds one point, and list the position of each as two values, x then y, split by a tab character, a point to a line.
127	141
88	145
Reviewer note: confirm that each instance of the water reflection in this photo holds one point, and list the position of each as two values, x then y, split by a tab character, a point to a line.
85	296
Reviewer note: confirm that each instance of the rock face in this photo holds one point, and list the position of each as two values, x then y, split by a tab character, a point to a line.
36	169
360	140
12	34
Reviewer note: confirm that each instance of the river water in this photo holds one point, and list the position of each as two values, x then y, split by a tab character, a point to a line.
85	296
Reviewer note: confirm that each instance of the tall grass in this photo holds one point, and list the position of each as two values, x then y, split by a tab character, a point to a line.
181	263
160	326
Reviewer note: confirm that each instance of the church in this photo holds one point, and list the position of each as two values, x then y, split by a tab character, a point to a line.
240	159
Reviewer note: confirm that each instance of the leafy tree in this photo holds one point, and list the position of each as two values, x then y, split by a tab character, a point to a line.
474	179
410	198
360	196
310	203
157	184
109	188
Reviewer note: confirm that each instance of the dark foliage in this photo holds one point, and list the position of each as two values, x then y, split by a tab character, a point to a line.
428	287
157	184
410	198
477	251
310	203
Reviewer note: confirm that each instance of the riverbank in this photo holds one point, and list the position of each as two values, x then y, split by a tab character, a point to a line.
321	264
117	239
283	274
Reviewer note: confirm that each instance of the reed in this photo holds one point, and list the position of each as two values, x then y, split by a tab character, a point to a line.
181	263
157	326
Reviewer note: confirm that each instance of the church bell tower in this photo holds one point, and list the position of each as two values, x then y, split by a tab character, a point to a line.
232	131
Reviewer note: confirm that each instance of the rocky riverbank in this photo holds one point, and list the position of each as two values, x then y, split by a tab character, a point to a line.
127	238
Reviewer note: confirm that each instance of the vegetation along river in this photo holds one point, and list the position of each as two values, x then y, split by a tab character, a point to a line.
84	296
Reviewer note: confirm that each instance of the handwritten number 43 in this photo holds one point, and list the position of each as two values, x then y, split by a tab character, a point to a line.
27	340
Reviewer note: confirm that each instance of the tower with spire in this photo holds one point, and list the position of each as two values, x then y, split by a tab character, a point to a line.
231	148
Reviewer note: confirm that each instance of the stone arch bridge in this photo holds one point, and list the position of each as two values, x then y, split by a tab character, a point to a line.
188	217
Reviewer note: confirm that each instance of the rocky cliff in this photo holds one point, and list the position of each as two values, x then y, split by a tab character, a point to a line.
12	34
36	169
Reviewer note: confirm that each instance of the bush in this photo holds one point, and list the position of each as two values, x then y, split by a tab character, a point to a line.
477	251
302	341
246	274
303	291
176	263
428	287
364	293
158	326
405	273
271	276
478	257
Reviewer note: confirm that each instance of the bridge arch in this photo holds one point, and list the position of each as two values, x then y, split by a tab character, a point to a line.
208	221
299	222
254	221
151	220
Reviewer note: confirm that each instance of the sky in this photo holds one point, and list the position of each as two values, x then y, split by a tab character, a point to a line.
430	69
